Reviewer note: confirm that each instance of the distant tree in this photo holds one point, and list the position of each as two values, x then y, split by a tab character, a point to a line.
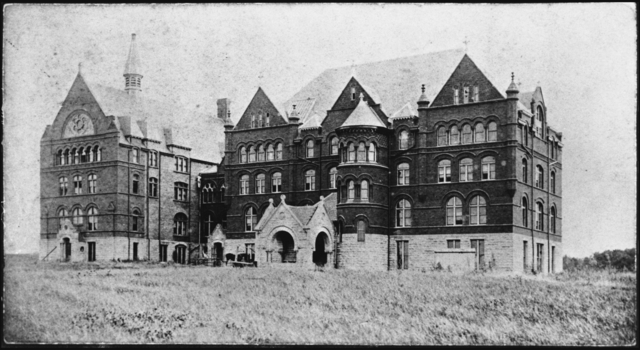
609	259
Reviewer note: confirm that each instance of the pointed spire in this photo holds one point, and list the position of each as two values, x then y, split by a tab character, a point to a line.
132	69
512	90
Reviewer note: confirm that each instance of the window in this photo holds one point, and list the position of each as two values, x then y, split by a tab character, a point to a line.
525	212
310	180
403	255
93	178
539	177
478	245
476	94
153	187
352	190
261	153
444	171
442	136
539	258
244	184
404	139
553	182
551	149
334	145
525	170
83	155
135	157
526	135
163	252
465	94
134	220
63	186
180	254
62	214
136	184
270	152
479	133
135	251
250	219
539	216
466	170
478	211
243	155
76	156
353	93
267	120
153	159
276	182
253	121
488	168
309	148
182	164
252	154
352	152
456	96
553	220
454	137
180	224
207	193
362	152
362	227
493	132
333	174
250	251
364	190
538	124
77	184
403	213
180	191
260	120
68	156
60	158
372	153
209	223
525	255
260	183
453	243
279	151
92	251
467	135
77	216
454	211
92	214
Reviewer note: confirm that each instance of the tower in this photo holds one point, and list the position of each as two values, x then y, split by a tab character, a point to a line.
132	69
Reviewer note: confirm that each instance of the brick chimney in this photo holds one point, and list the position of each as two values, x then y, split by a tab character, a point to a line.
223	108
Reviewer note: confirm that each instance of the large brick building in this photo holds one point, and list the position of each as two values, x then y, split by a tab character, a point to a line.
360	169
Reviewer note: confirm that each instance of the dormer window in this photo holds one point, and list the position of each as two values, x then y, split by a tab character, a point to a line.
260	121
466	94
253	121
353	93
267	120
456	96
476	94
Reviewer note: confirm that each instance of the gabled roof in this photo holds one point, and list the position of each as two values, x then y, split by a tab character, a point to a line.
331	206
405	112
303	108
260	103
312	122
363	115
304	213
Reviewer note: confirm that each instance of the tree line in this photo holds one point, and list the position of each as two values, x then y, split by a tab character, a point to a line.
620	260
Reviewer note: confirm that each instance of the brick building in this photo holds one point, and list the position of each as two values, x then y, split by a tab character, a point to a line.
359	169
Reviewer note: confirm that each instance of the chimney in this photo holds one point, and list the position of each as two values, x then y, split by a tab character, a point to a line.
224	105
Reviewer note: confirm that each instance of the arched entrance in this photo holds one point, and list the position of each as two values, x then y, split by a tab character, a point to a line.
180	254
320	253
66	249
284	245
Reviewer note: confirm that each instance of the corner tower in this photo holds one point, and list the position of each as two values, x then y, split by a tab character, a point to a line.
132	69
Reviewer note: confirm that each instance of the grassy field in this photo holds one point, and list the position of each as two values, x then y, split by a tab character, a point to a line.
151	303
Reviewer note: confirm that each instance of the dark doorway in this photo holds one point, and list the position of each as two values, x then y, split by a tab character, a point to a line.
180	254
92	251
320	255
135	251
66	245
284	245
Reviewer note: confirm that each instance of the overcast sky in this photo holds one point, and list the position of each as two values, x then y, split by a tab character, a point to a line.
582	55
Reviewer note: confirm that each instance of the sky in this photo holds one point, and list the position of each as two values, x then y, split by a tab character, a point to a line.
582	55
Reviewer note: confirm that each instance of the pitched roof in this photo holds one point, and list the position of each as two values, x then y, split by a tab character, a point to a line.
303	108
405	112
396	81
331	206
304	213
311	122
363	115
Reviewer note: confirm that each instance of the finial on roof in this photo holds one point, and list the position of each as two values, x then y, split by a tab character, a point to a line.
512	90
283	197
271	200
465	44
423	100
361	96
512	76
79	67
132	69
321	198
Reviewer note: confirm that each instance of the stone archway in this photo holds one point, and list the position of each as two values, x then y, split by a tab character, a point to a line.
284	244
320	252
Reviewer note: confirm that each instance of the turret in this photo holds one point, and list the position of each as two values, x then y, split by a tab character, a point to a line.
294	118
512	90
132	69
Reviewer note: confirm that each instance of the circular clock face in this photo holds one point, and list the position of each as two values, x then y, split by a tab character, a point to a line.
79	125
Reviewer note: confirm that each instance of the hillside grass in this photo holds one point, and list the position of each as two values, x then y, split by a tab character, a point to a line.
158	303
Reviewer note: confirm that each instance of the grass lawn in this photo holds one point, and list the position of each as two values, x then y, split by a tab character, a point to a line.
153	303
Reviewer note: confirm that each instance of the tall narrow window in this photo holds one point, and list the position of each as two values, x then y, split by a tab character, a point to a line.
538	124
153	159
62	215
476	94
525	170
83	155
253	121
353	93
552	183
260	183
153	187
372	153
454	136
334	145
276	183
279	151
252	154
267	120
539	216
467	134
209	223
493	132
63	186
403	213
250	219
525	212
261	153
553	219
243	155
207	193
526	135
456	96
480	133
244	184
68	156
403	255
77	184
180	224
92	251
333	174
180	191
539	177
442	136
310	180
454	211
403	174
60	158
478	211
310	146
270	152
361	228
364	191
93	179
352	152
76	156
404	139
466	170
136	184
77	216
466	94
352	190
539	256
135	156
362	152
92	214
444	171
260	120
525	255
488	168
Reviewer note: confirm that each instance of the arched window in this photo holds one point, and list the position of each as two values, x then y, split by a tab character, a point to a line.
467	135
478	210
276	183
253	121
539	177
244	184
76	156
136	184
361	228
403	213
404	139
525	212
252	154
333	174
454	211
92	214
93	183
310	180
243	155
135	156
364	190
454	137
552	180
488	168
207	193
403	174
480	133
539	216
372	152
180	224
334	145
260	183
553	219
310	145
493	132
261	153
267	120
466	170
83	158
63	186
270	152
444	171
134	220
456	96
62	214
362	152
539	122
442	136
465	96
476	94
68	156
352	190
278	151
352	152
77	184
60	158
250	219
525	170
260	120
77	216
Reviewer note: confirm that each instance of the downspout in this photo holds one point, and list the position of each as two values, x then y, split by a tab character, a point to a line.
189	211
128	204
160	205
533	248
146	219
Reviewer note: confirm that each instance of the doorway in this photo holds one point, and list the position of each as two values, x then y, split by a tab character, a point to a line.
66	249
320	254
285	246
478	245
